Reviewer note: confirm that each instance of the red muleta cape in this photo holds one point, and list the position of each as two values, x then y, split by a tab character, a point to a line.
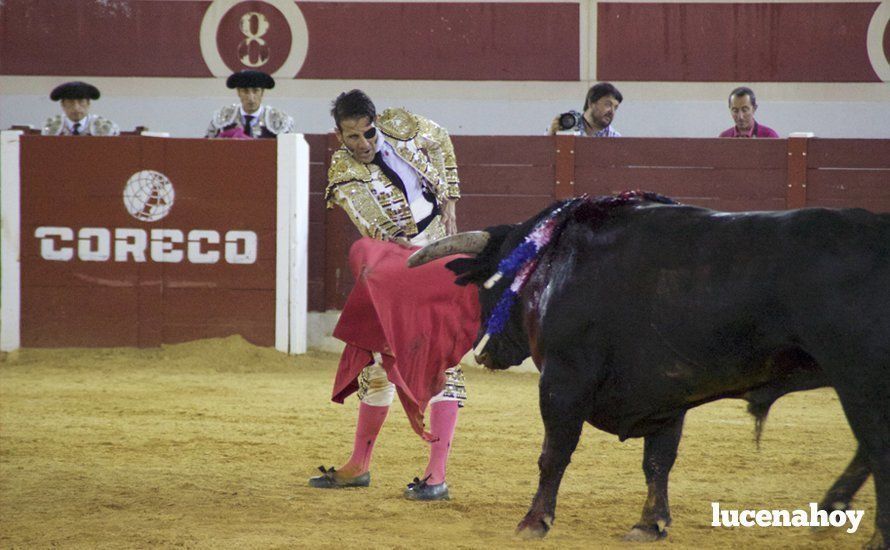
417	318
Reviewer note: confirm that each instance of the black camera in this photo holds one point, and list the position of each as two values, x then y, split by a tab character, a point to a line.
570	120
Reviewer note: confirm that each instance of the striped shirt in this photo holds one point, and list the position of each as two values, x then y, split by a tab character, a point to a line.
581	127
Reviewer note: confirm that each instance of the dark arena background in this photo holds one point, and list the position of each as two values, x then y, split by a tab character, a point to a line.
165	404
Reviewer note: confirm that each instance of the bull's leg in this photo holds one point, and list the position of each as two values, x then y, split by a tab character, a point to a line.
881	469
659	454
563	410
846	486
880	462
866	404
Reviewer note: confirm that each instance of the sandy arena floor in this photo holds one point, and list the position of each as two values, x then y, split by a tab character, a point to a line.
210	444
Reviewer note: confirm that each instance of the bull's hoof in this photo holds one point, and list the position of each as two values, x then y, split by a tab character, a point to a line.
828	508
534	527
646	533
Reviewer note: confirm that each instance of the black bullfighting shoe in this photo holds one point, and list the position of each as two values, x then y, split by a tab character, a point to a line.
328	481
419	489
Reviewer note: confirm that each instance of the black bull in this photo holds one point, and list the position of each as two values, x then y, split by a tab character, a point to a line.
638	311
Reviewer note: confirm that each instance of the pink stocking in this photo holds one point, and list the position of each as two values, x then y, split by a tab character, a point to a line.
370	419
443	419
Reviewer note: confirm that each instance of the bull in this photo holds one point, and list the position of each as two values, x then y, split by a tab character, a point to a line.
636	309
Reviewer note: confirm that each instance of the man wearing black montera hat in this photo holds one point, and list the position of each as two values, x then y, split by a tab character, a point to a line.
250	119
75	99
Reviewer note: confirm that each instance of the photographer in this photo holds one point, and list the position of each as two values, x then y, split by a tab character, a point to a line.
600	105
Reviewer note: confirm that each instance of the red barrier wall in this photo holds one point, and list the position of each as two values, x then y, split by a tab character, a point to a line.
849	172
225	185
506	179
219	187
720	174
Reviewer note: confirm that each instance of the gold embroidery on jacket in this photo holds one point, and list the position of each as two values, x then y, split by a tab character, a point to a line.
366	191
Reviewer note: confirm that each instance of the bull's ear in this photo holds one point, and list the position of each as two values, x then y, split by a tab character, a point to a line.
477	270
464	268
497	235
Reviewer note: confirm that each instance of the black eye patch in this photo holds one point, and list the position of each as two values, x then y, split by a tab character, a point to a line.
370	132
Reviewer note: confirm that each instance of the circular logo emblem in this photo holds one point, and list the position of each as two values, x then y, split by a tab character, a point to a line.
878	41
268	35
253	35
148	195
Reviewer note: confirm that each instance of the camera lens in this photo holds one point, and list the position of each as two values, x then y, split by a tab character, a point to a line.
568	121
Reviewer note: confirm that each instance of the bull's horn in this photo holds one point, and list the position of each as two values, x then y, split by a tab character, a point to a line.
480	347
469	242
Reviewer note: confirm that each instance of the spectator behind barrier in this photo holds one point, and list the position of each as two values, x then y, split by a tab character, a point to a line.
600	105
250	119
75	98
742	106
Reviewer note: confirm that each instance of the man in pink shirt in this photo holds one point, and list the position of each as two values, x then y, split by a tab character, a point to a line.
742	106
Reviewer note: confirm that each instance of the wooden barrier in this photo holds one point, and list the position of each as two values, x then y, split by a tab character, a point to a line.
720	174
140	241
848	172
65	183
506	179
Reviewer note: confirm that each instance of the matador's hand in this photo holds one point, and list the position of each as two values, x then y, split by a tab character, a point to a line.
554	126
449	217
401	241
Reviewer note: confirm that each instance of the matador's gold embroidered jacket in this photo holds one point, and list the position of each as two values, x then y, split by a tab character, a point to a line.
376	206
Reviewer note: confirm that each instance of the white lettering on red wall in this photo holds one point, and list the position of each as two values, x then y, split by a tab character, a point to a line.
95	244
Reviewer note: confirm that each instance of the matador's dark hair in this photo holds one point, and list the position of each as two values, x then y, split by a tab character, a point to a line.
353	104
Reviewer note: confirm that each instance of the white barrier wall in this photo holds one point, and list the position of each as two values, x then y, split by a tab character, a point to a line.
183	107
